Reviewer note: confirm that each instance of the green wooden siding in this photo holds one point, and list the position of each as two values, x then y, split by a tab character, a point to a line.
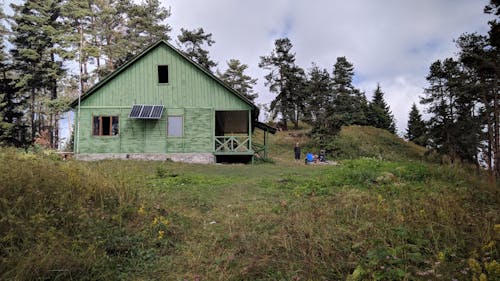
190	93
149	136
188	86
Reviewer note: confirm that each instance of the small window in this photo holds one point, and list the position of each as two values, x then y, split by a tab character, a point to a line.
105	126
174	126
163	74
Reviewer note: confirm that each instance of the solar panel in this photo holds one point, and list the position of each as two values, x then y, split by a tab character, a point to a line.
157	111
146	111
141	111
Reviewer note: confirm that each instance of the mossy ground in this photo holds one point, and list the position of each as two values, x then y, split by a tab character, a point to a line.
368	218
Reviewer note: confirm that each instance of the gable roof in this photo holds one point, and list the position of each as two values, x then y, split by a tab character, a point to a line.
151	47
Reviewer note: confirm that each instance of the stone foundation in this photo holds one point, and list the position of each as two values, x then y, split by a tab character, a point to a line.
198	158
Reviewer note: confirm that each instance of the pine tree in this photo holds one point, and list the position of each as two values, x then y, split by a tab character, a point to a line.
286	80
193	42
319	93
379	114
11	127
145	25
39	53
453	127
236	78
417	130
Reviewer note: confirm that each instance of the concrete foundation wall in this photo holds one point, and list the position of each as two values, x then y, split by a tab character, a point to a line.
198	158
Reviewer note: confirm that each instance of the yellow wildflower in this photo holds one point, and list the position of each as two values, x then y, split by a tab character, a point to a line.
474	266
155	221
164	220
497	228
493	268
161	233
141	211
490	245
441	256
483	277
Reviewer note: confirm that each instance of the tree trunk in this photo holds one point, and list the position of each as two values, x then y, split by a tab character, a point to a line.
80	60
32	109
496	132
54	135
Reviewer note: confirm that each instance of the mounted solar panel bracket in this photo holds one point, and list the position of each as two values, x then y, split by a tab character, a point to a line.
144	111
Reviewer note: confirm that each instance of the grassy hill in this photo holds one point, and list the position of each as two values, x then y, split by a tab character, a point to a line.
352	142
367	218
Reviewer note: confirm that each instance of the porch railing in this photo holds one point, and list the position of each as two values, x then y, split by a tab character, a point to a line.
232	144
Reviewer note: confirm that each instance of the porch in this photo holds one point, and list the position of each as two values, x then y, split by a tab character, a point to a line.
233	137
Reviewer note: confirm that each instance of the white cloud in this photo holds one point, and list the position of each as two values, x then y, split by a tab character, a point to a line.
391	42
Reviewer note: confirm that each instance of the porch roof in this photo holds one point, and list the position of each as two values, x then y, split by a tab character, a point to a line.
265	127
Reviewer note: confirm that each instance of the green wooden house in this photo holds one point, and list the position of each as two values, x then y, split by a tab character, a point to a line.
161	105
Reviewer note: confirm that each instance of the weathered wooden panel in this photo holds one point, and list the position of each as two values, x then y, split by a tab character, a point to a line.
176	145
199	132
155	139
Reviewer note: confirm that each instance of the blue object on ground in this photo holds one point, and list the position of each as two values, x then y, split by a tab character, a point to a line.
309	157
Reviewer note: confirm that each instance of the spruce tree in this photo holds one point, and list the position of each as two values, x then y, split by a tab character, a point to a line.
236	78
417	130
193	43
11	110
286	80
319	94
379	114
350	104
39	52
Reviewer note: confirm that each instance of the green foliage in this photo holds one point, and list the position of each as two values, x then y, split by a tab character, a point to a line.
192	42
364	219
38	55
62	220
379	114
453	127
235	77
364	141
417	129
320	94
344	106
286	80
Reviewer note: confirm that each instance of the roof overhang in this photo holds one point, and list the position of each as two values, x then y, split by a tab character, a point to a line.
265	127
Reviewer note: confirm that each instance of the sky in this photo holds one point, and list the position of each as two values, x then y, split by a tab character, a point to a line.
390	42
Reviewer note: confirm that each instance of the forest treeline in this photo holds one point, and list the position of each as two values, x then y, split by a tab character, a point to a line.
45	41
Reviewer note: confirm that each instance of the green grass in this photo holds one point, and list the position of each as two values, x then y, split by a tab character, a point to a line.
364	219
358	141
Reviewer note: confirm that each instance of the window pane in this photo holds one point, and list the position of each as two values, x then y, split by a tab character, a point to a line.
115	127
96	126
174	127
106	125
162	73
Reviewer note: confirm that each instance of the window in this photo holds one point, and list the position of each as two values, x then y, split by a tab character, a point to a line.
174	126
105	126
163	74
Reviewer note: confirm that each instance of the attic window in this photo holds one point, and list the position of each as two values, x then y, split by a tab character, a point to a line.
163	74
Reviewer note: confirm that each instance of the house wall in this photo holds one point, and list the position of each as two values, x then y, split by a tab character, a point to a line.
190	93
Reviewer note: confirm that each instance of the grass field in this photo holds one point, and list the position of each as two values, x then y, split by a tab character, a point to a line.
389	216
